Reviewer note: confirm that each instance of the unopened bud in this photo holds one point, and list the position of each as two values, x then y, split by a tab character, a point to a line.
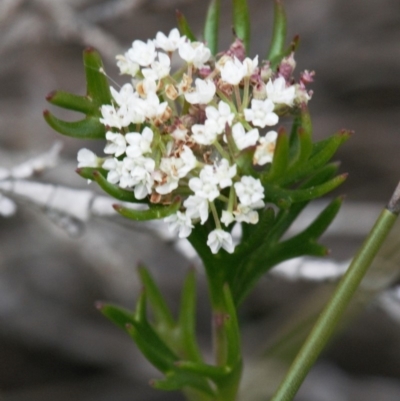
204	72
266	72
287	66
259	91
302	95
306	77
237	49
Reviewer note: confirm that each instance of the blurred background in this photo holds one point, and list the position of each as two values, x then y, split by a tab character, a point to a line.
54	345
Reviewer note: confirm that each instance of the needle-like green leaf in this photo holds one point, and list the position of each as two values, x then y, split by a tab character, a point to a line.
211	26
278	40
162	313
241	21
154	212
88	128
97	94
184	27
187	318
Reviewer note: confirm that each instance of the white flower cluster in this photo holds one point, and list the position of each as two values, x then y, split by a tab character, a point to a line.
181	134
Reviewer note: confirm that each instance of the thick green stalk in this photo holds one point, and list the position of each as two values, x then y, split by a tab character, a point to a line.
327	322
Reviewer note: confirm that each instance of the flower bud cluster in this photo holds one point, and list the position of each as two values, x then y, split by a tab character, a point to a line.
182	133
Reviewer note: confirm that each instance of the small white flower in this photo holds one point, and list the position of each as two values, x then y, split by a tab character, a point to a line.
233	71
264	152
180	223
227	217
115	118
224	173
126	180
116	170
159	69
150	74
196	208
250	66
188	161
203	187
148	85
204	134
86	158
245	214
142	182
139	144
221	116
194	53
136	110
116	144
278	93
171	42
242	139
174	168
218	239
250	192
127	66
261	113
125	95
203	94
171	170
169	184
146	163
142	53
141	170
152	106
208	174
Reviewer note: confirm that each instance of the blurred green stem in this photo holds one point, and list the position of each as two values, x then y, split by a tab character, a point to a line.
327	322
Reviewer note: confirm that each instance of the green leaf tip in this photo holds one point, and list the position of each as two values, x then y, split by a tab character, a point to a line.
50	96
69	101
99	305
184	27
96	80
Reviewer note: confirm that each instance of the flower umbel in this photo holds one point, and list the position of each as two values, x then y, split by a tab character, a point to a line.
181	134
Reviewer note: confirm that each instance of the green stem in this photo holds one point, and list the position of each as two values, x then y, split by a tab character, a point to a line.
245	101
219	340
327	322
237	97
221	151
215	215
